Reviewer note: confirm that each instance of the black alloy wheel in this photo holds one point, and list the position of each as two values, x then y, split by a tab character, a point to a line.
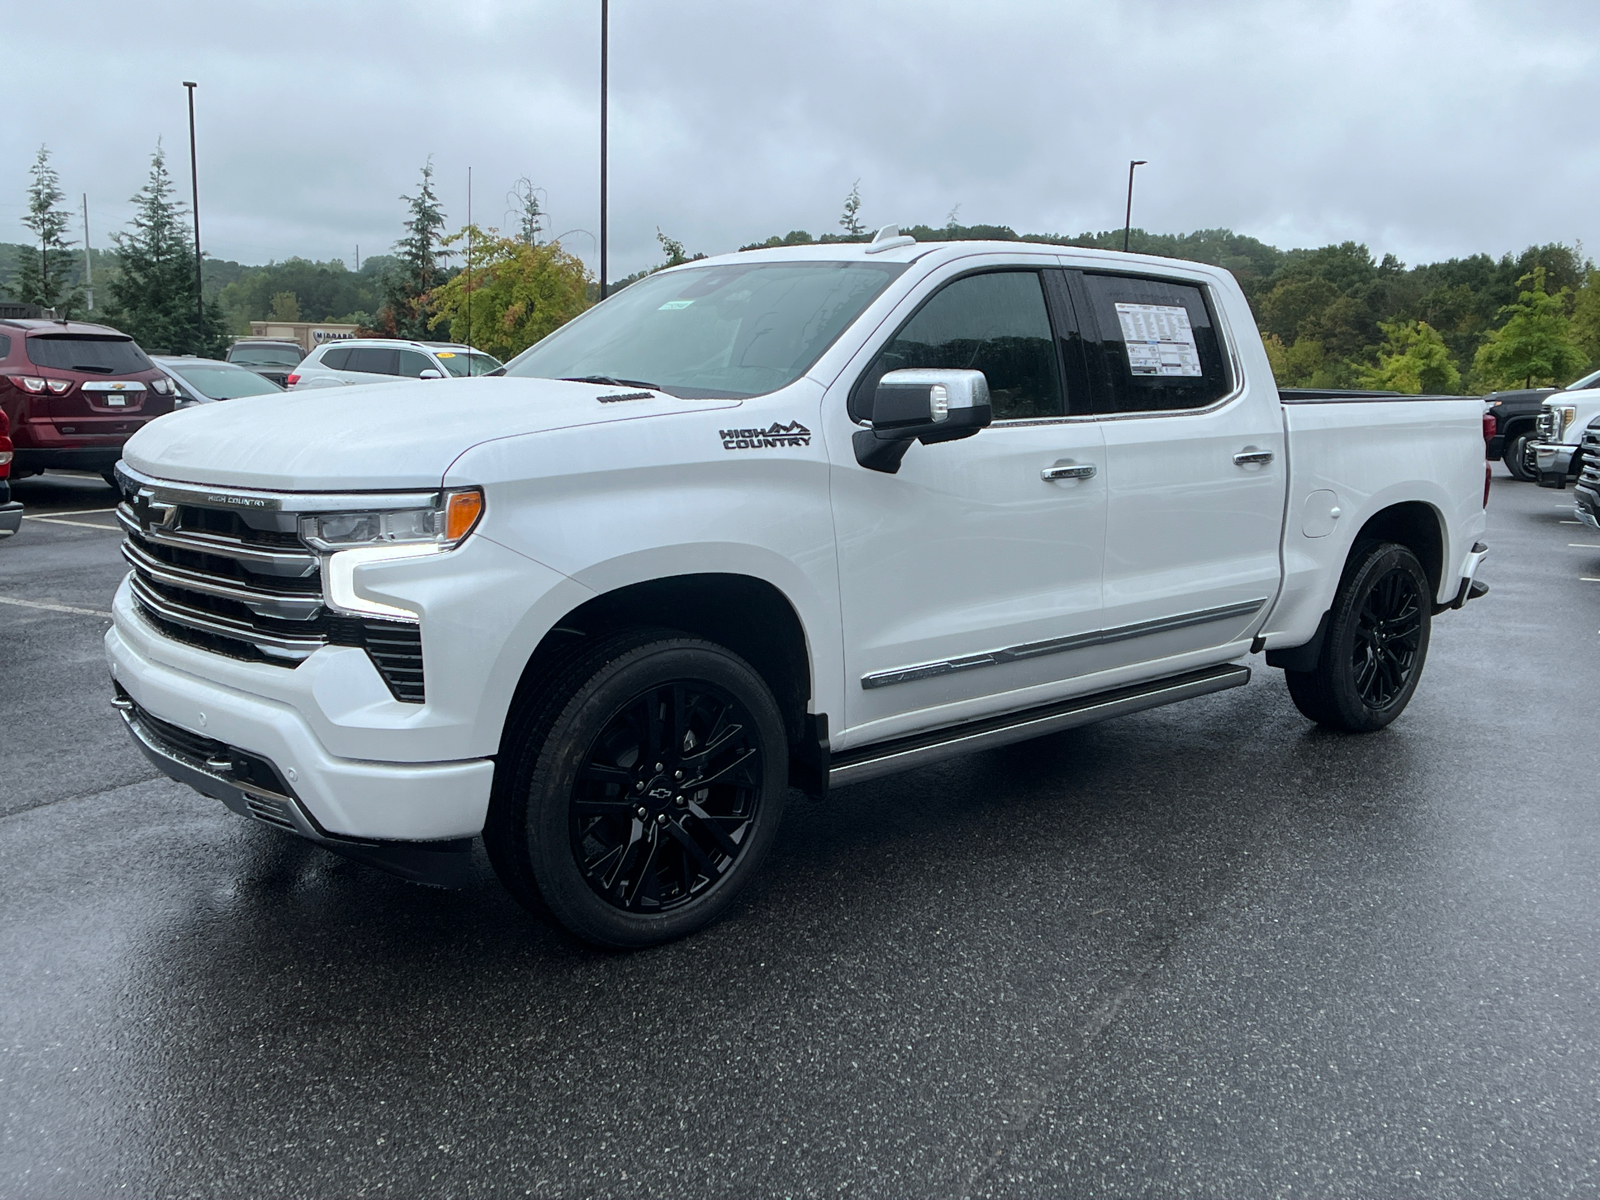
1374	644
640	781
1388	634
666	796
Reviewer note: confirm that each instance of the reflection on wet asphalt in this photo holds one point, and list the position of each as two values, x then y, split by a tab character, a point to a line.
1204	950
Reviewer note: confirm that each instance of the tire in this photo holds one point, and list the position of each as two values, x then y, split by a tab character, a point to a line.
1375	645
1515	451
584	828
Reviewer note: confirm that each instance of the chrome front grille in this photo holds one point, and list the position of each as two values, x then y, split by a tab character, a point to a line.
236	593
1589	477
241	583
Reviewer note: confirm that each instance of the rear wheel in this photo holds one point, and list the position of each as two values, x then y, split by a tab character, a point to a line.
1375	644
641	791
1516	453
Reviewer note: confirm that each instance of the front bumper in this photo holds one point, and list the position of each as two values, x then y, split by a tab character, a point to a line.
341	798
1586	505
1553	462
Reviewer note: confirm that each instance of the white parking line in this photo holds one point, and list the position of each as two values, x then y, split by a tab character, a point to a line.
61	608
1572	522
1582	546
73	524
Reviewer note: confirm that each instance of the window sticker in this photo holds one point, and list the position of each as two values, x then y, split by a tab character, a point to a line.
1159	339
675	304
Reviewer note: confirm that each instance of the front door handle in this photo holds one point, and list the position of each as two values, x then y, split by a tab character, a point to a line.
1067	469
1251	457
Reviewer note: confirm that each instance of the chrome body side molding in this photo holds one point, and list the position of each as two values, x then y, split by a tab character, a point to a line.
919	750
1099	637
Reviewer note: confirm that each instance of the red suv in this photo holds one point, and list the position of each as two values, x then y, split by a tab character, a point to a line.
75	393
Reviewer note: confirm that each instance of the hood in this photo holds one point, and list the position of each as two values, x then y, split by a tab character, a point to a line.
374	436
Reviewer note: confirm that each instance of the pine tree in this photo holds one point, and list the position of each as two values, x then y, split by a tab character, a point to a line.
530	217
408	302
851	221
152	298
45	280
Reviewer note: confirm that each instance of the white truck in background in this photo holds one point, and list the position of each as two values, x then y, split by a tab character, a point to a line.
794	516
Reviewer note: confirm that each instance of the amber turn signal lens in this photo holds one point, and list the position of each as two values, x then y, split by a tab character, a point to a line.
461	513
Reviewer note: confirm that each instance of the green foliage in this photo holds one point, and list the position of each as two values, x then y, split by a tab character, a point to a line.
1412	359
45	276
672	248
322	291
530	217
1586	318
408	308
152	299
520	292
1535	345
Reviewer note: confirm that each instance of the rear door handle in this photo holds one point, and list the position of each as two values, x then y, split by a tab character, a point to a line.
1250	456
1067	469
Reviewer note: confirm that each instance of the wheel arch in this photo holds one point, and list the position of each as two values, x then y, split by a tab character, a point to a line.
745	613
1415	524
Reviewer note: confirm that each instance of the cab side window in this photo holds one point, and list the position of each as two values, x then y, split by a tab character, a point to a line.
1157	348
997	323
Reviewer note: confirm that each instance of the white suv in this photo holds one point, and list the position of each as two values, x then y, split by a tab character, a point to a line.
385	360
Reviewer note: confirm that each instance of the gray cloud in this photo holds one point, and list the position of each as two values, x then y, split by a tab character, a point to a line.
1428	129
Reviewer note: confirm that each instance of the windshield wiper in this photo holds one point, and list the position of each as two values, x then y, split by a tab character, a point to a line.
610	381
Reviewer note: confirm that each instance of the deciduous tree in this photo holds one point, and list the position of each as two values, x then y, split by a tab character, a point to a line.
520	292
1535	345
1413	359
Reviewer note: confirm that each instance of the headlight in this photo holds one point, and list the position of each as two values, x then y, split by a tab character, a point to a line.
353	539
441	526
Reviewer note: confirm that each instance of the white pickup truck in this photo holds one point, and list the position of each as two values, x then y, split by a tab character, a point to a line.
800	516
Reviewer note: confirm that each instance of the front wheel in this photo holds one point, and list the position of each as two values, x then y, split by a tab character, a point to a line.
1375	643
642	791
1516	458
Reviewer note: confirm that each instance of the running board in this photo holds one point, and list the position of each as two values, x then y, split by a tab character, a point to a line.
919	750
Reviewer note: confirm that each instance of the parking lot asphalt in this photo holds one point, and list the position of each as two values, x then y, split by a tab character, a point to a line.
1206	950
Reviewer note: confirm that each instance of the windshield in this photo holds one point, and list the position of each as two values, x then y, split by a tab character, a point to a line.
265	356
88	353
222	381
726	331
456	361
1588	381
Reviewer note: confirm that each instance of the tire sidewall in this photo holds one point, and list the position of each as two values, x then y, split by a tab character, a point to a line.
1339	660
560	882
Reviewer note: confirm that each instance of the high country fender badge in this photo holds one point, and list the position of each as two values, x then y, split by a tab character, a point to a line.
773	437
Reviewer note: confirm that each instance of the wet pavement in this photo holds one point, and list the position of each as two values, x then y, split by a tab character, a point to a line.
1206	950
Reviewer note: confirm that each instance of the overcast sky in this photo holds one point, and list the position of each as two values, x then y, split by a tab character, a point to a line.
1429	129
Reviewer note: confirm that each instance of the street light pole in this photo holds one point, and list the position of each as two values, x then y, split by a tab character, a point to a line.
194	179
605	36
1127	218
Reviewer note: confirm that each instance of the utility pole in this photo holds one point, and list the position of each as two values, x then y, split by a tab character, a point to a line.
469	269
88	265
194	179
1127	219
605	34
358	258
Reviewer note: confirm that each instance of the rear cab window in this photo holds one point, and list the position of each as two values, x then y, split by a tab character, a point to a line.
1150	344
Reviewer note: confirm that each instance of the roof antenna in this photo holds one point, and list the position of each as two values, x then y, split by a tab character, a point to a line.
888	238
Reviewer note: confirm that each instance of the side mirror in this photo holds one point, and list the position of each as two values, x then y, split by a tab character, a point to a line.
430	373
924	406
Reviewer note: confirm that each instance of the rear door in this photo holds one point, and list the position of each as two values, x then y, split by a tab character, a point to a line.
1194	462
370	364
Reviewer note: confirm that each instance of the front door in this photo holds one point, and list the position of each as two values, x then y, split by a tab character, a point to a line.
1195	470
959	572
